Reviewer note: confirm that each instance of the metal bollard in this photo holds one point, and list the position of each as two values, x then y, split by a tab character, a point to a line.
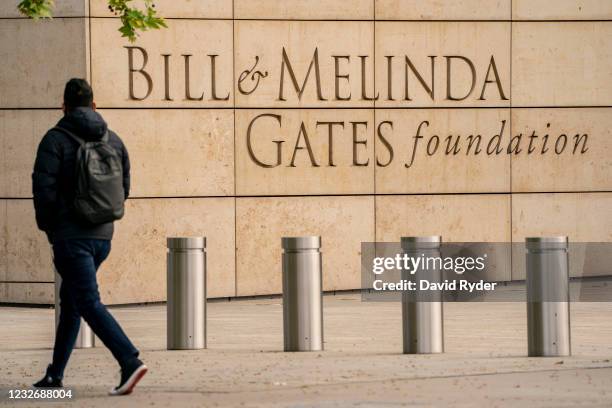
422	321
186	302
548	326
302	299
86	337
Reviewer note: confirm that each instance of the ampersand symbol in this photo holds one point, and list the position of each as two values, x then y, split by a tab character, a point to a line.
255	77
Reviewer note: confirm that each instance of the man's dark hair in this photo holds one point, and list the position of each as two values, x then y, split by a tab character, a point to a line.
77	93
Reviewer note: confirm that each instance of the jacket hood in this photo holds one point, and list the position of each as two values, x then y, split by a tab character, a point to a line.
85	123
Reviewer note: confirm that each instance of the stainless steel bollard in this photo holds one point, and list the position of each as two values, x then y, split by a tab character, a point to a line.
302	299
548	325
186	302
86	337
422	319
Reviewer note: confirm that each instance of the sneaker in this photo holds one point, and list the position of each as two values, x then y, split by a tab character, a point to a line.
48	381
130	375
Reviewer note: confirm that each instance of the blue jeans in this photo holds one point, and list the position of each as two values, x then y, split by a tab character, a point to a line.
77	261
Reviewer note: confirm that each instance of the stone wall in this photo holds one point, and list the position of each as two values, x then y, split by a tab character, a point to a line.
330	158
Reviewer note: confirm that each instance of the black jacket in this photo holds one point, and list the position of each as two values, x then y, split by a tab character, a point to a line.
54	179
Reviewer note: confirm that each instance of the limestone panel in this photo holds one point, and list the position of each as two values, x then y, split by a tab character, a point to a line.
136	269
63	8
343	167
458	64
28	252
342	222
20	134
443	10
561	64
561	10
39	59
3	240
174	9
563	166
197	160
414	161
304	43
304	9
158	80
457	218
3	292
583	217
176	152
30	293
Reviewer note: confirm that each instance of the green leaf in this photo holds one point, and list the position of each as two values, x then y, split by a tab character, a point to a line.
36	9
133	19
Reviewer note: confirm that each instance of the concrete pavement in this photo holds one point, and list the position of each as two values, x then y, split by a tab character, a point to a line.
244	366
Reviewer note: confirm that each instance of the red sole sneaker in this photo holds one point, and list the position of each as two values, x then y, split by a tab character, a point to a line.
129	385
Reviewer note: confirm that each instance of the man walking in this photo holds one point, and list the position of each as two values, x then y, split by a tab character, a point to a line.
80	182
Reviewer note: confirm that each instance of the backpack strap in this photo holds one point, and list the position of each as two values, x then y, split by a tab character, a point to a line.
80	141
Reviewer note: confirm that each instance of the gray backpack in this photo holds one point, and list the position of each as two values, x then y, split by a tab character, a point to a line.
99	196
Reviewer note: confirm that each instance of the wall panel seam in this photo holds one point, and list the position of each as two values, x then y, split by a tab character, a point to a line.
347	194
54	18
374	124
510	186
341	20
25	282
90	50
440	193
352	20
235	173
315	107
